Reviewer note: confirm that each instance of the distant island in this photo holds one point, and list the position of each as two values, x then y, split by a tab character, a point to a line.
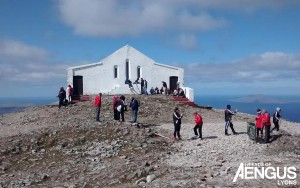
262	99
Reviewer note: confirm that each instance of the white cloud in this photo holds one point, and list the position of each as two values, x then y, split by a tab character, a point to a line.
119	18
267	67
114	18
21	62
15	49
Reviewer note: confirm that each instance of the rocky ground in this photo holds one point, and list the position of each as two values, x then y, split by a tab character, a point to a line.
49	147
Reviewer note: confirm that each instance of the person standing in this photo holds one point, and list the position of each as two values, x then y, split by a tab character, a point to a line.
228	120
115	106
69	92
276	118
135	108
266	122
177	123
198	125
142	86
121	107
259	125
165	87
177	85
145	87
61	97
97	104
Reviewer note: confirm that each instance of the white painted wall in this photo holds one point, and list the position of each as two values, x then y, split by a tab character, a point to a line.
189	93
99	77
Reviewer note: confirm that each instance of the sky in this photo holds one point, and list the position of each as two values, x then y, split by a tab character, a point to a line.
225	47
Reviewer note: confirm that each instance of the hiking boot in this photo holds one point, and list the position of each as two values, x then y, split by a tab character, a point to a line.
174	139
226	133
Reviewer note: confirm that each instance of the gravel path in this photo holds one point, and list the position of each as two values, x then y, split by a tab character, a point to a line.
219	156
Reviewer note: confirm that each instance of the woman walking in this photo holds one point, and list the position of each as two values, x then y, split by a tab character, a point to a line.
177	123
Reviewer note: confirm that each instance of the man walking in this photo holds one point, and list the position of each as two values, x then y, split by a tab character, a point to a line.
97	104
228	120
276	118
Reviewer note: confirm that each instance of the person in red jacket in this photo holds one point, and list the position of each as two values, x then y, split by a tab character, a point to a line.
97	104
258	123
266	123
198	125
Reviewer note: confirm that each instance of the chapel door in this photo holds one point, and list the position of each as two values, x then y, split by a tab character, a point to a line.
173	82
77	85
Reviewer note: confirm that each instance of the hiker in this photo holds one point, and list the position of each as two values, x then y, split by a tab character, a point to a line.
181	93
276	118
134	105
266	122
152	91
175	93
259	125
161	90
228	120
97	104
177	123
164	85
198	125
69	92
145	87
177	85
121	107
62	97
157	90
115	106
142	86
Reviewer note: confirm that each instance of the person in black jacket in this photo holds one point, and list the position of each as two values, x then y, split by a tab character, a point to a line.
142	86
228	120
276	118
61	96
177	123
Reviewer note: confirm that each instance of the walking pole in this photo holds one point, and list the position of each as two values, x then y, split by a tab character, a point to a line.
162	136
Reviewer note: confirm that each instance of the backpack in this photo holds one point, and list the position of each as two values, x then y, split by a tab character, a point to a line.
138	102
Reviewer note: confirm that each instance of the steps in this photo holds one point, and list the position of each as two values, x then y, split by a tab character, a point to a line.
190	103
185	101
80	98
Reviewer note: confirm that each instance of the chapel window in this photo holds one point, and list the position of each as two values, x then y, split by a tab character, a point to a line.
115	71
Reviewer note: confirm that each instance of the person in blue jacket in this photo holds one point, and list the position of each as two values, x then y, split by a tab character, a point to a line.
134	105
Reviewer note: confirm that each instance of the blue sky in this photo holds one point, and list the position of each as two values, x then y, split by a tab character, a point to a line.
225	47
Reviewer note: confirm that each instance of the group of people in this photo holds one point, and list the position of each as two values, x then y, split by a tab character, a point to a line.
119	107
177	124
64	97
263	122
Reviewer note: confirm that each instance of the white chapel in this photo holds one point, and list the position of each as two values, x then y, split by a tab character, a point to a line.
110	74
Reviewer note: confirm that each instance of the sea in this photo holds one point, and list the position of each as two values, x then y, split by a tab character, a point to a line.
8	105
289	105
